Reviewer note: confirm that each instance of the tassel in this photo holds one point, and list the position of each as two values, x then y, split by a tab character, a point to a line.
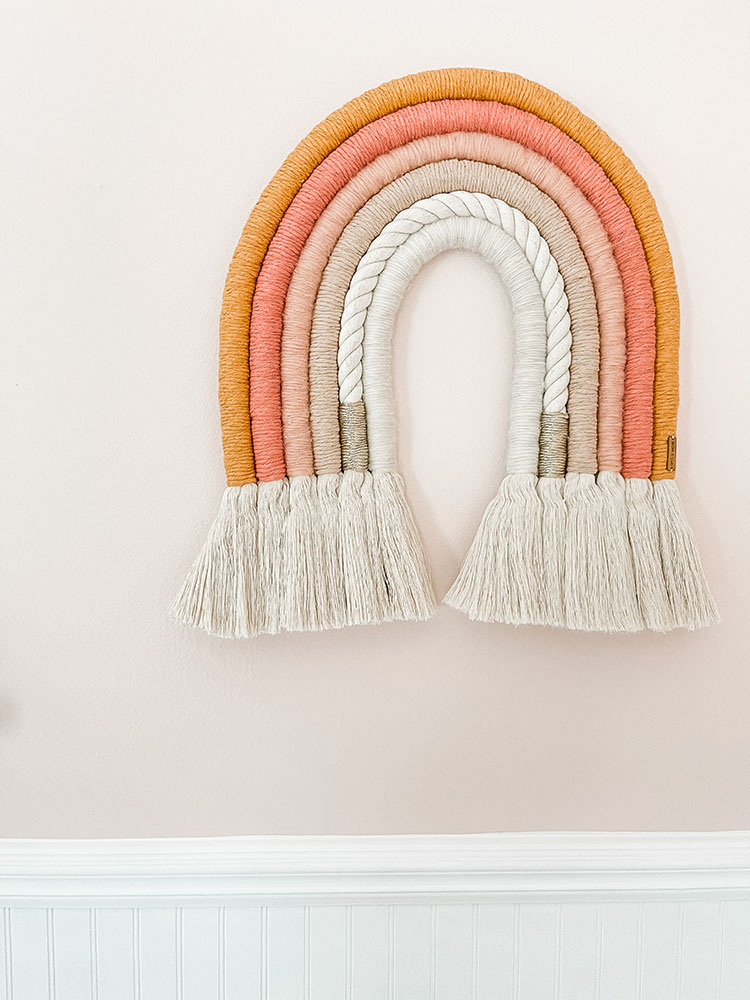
643	535
305	584
481	588
500	579
410	595
216	595
382	611
332	570
363	571
585	561
554	517
620	605
273	513
689	596
246	600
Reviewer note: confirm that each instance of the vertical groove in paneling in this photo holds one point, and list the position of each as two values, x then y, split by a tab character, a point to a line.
433	950
516	950
94	954
178	952
222	919
680	952
8	946
721	936
558	951
639	952
51	990
264	953
349	966
391	954
306	979
137	980
599	951
474	951
93	957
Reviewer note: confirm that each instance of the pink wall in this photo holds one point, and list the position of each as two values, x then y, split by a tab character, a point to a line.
136	170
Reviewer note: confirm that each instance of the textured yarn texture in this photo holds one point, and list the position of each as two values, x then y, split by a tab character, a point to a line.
462	204
380	210
373	276
389	132
586	529
503	253
549	179
438	86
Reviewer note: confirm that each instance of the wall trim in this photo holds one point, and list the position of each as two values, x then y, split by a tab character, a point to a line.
459	867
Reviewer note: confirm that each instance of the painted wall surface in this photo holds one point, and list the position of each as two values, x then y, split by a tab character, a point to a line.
139	136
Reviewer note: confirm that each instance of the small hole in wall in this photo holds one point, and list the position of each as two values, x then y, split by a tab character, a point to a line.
452	357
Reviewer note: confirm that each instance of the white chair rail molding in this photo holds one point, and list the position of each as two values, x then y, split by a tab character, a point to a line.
522	916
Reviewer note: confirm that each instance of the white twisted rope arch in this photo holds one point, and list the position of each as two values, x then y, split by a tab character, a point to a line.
505	255
426	212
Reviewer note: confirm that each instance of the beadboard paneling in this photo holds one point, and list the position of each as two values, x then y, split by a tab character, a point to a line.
501	932
524	951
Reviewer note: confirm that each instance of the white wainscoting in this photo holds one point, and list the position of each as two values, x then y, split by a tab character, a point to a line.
499	917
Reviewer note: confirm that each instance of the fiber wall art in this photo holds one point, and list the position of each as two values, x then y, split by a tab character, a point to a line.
587	529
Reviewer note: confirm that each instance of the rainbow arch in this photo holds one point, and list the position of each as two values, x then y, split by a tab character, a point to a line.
587	529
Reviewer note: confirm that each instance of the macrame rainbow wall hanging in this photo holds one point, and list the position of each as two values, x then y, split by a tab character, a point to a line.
586	530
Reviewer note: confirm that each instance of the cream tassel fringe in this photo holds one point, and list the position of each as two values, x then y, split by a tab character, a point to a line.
322	552
273	515
500	579
620	602
245	595
305	599
643	535
554	519
308	553
364	576
585	562
599	582
218	593
689	596
331	567
410	595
